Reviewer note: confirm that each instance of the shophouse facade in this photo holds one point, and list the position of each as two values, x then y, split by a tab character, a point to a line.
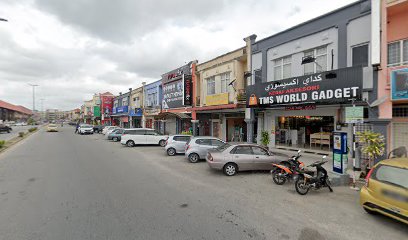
88	111
220	96
136	118
393	69
304	78
178	99
96	109
120	110
152	105
106	107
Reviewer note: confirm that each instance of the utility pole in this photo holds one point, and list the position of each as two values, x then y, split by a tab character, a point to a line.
42	109
33	85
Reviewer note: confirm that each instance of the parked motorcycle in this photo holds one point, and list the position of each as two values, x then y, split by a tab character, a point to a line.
307	179
286	170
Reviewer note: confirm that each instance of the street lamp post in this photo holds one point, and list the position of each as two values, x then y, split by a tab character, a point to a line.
33	85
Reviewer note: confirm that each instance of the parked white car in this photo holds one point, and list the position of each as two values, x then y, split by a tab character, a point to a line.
85	129
143	136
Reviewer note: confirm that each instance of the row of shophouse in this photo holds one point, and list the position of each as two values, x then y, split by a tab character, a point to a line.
298	85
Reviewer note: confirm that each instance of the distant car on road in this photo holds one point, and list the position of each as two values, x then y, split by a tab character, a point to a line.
386	189
5	128
231	158
197	147
52	128
176	144
85	129
143	136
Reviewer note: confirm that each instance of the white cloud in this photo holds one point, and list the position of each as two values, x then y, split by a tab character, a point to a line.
74	49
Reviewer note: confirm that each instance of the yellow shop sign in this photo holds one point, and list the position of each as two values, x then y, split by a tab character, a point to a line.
216	99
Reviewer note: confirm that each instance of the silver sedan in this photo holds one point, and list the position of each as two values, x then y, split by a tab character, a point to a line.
242	157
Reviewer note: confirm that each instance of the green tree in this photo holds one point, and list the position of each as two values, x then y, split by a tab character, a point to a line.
373	144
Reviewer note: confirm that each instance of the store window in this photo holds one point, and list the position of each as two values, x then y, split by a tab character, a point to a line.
136	100
258	75
398	53
320	63
124	101
211	85
225	80
115	104
359	55
282	68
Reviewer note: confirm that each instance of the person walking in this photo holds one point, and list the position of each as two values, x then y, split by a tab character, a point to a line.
76	128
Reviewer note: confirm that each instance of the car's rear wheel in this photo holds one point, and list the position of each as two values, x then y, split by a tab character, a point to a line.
130	143
115	139
162	143
193	157
230	169
171	151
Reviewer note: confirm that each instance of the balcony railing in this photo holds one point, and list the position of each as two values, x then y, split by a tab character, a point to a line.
241	95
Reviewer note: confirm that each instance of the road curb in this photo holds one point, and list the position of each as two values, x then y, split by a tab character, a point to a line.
15	140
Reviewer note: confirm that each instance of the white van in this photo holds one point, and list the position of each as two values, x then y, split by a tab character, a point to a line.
143	136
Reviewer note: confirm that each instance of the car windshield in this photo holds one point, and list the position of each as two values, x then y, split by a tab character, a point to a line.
392	175
223	147
52	125
86	126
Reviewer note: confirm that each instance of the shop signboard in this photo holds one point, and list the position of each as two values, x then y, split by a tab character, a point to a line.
106	104
137	112
173	94
355	114
177	88
325	88
123	109
399	84
187	90
216	99
178	93
97	111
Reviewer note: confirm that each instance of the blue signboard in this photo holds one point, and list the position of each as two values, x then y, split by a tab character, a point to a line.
399	84
113	110
137	112
123	109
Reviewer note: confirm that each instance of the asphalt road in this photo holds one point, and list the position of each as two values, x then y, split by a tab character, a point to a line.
14	132
66	186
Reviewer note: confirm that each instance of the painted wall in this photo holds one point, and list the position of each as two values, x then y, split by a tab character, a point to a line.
297	47
359	33
233	62
338	19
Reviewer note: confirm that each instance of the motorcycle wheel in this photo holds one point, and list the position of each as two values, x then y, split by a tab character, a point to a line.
279	180
300	186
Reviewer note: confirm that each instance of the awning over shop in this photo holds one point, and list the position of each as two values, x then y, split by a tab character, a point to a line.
173	114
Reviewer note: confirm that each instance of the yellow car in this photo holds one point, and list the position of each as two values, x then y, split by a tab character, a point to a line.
52	128
386	189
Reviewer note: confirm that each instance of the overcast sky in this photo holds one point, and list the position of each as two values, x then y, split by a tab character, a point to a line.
73	49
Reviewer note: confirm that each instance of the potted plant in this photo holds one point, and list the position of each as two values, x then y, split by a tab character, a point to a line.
373	144
265	139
